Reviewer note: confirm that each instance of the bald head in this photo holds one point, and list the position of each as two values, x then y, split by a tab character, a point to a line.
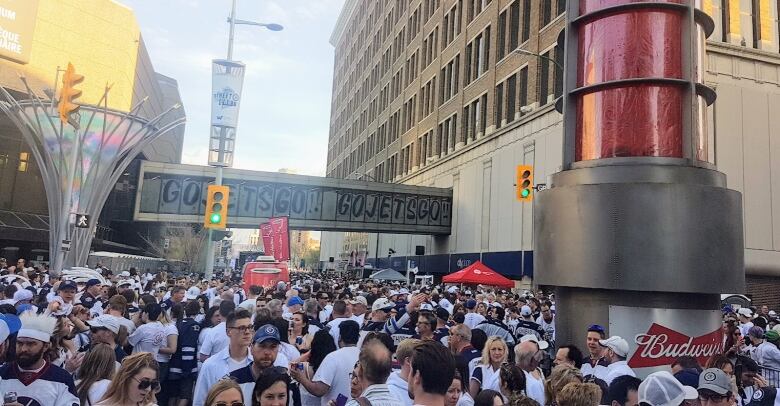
375	363
525	353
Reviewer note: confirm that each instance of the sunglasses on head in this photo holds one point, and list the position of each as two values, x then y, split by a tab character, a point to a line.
144	384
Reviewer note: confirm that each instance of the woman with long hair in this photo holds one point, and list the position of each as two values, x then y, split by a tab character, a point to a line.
321	345
486	373
225	392
95	374
457	395
211	319
512	381
727	366
299	332
61	343
734	342
271	388
135	384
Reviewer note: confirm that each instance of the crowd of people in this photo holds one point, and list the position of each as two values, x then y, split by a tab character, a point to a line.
142	338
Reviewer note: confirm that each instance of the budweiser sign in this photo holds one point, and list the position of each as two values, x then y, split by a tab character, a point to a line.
661	346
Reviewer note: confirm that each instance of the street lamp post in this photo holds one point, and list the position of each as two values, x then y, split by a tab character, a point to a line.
224	151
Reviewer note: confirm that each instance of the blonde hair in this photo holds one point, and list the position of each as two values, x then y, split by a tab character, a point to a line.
222	385
485	360
118	391
579	394
406	349
560	376
99	364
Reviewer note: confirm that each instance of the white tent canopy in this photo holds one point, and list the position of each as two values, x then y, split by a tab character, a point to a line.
388	275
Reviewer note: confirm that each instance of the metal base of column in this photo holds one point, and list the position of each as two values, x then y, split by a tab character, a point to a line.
633	245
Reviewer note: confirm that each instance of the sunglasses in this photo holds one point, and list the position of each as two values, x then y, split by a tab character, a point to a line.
144	384
713	397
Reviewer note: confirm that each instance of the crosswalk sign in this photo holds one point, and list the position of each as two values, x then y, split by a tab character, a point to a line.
82	221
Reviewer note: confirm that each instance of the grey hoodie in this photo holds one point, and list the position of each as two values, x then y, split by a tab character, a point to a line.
399	388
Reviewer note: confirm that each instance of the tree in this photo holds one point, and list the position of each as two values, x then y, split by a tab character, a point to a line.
185	244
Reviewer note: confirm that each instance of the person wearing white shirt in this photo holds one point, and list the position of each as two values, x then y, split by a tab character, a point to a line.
528	357
745	323
340	315
327	309
616	354
216	339
472	318
332	377
236	355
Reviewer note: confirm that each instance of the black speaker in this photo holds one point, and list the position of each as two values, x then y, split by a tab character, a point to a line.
331	259
419	250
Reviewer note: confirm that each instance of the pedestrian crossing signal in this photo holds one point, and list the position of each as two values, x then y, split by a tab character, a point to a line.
216	207
525	183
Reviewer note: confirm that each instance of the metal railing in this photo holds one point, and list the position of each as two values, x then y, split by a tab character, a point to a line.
772	375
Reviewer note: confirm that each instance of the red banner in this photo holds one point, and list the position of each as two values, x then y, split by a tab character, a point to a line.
268	243
662	346
280	232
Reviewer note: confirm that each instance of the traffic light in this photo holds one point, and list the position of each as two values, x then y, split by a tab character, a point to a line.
525	183
216	207
67	106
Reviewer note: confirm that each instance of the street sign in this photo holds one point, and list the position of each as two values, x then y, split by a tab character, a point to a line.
66	245
82	221
167	243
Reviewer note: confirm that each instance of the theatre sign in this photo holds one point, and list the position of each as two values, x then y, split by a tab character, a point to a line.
176	193
17	25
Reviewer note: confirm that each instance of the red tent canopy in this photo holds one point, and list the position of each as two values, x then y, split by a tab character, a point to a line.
478	273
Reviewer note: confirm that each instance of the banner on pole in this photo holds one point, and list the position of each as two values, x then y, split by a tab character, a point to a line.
267	234
280	229
227	80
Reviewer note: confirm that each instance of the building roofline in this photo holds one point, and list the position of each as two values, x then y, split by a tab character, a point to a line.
341	24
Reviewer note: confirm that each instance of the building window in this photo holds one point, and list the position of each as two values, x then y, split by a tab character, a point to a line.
499	104
475	117
546	12
24	160
755	18
511	94
544	80
526	20
561	7
523	78
448	85
478	56
501	45
476	7
557	73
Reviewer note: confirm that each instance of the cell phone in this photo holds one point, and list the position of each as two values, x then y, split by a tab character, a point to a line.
299	340
9	397
299	366
341	400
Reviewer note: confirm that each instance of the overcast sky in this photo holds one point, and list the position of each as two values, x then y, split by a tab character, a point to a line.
285	108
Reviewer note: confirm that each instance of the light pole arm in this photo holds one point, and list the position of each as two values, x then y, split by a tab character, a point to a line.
523	51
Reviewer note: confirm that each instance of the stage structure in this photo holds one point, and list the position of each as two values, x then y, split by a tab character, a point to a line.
638	232
80	157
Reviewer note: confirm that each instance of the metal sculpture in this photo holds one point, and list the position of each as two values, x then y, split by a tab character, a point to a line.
80	164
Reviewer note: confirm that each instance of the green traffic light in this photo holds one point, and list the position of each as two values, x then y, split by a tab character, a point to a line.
216	218
525	192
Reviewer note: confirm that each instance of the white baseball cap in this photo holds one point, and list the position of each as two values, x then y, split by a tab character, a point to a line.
616	344
106	321
663	389
744	311
192	293
382	304
530	337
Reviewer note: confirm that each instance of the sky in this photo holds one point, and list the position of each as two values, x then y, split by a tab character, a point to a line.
285	109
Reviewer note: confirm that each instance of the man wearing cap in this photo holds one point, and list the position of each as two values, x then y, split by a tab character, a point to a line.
380	313
265	351
616	354
745	323
442	332
237	354
715	388
35	380
294	305
472	318
526	324
22	299
89	298
663	389
765	353
359	309
104	329
62	304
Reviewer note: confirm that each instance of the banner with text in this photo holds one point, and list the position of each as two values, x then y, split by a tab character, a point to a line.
268	241
227	79
657	337
280	231
17	25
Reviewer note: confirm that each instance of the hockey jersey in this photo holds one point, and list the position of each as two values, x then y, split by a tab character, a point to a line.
51	386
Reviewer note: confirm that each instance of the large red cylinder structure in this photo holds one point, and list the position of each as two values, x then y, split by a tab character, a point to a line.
631	81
